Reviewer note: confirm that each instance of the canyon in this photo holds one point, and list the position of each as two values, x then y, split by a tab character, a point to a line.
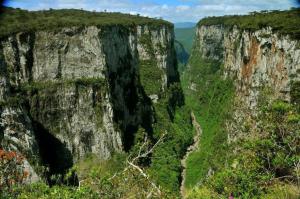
101	88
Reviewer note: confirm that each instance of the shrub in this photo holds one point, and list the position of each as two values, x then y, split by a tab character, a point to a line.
11	171
280	107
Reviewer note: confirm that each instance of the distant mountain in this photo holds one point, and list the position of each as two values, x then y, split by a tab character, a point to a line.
183	45
185	36
185	25
182	56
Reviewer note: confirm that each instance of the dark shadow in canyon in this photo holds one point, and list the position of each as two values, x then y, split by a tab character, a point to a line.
55	156
132	107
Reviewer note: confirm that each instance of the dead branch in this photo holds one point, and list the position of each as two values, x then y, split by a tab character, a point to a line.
132	163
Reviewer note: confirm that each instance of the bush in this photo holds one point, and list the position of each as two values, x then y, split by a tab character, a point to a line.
280	107
12	172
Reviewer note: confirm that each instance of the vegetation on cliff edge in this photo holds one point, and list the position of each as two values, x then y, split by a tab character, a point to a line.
18	20
284	22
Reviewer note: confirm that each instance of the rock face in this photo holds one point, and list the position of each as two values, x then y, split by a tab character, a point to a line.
81	89
252	58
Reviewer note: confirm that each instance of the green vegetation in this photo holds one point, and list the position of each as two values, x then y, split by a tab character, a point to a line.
17	20
166	166
171	119
285	22
260	165
151	76
12	101
95	82
210	99
19	99
264	165
99	179
295	93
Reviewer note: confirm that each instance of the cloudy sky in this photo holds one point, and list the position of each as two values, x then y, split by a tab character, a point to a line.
172	10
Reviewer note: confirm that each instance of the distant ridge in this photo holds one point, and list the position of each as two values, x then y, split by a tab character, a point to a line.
185	25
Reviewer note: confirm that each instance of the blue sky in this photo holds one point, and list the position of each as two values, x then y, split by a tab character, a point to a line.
172	10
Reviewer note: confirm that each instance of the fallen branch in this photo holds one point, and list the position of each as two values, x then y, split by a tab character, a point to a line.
132	163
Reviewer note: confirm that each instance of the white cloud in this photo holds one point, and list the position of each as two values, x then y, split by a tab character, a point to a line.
181	8
165	7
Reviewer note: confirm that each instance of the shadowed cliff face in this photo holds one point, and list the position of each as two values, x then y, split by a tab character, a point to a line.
53	154
82	87
128	98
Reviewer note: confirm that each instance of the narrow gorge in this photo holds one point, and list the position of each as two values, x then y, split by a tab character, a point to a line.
96	106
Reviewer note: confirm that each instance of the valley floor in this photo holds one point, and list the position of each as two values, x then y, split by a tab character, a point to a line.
190	149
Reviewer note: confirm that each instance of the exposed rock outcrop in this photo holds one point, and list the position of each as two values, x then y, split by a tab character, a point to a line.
80	89
254	59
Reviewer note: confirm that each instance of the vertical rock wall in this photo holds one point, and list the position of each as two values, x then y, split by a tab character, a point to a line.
254	59
79	88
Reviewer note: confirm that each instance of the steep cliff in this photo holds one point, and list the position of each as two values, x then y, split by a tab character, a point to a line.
243	83
254	59
80	89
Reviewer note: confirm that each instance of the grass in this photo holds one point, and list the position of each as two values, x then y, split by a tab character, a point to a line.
18	20
284	22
